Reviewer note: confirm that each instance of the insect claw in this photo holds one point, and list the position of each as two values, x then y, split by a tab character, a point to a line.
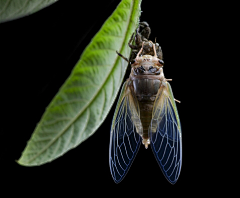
122	56
177	100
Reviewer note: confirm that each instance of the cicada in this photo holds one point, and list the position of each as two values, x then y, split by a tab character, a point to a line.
146	112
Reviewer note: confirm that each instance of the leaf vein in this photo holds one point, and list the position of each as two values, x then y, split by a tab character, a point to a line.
90	101
72	101
88	118
70	137
17	11
5	7
55	121
57	146
82	86
104	95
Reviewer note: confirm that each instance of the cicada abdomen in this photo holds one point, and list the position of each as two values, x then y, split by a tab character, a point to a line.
146	112
145	91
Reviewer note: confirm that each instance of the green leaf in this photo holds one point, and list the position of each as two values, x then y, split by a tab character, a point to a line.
86	97
13	9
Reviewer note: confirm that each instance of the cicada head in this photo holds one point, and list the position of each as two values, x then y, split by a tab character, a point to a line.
147	62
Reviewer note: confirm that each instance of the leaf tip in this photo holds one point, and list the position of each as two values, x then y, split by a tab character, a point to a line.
21	162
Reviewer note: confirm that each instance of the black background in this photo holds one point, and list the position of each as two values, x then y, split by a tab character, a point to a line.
38	53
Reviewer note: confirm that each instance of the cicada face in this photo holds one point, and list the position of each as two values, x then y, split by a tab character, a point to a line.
146	112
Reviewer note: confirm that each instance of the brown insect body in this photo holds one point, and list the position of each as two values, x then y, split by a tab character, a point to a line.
146	91
146	112
145	80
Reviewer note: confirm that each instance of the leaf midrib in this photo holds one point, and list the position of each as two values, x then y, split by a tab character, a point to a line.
88	104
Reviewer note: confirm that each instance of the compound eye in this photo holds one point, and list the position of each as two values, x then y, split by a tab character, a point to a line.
161	62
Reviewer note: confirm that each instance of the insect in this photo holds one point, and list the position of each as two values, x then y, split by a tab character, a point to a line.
146	112
142	34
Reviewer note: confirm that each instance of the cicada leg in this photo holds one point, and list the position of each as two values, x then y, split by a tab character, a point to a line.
122	56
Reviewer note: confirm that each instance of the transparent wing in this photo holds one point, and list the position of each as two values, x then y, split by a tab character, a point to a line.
124	140
165	133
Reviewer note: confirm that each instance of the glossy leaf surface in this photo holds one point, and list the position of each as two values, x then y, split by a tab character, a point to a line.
86	97
13	9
